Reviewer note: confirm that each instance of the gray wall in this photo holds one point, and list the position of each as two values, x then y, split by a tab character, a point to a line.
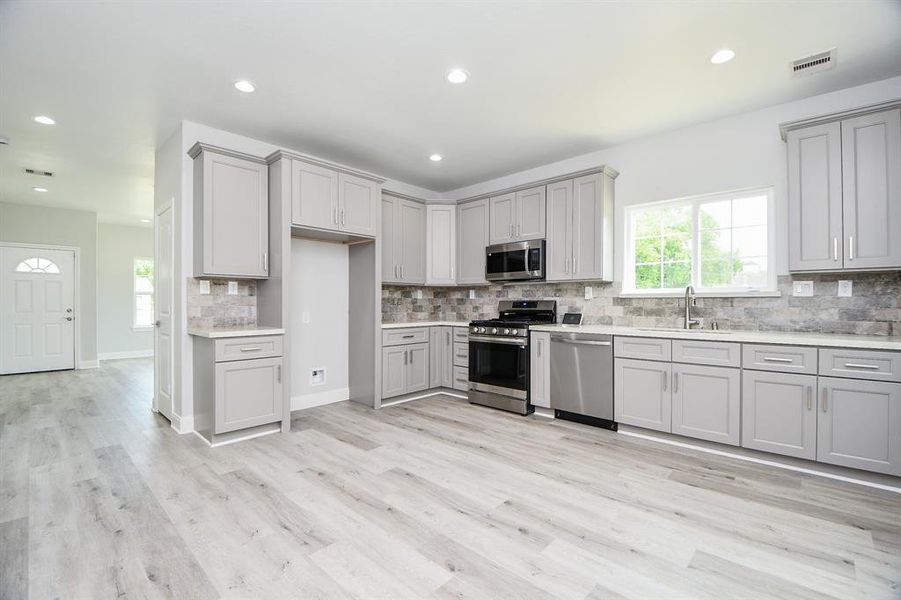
117	247
42	225
875	307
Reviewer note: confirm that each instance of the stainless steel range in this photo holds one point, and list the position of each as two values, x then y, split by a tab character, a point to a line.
499	354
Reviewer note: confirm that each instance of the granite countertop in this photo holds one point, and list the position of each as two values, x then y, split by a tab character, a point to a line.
838	340
233	332
425	324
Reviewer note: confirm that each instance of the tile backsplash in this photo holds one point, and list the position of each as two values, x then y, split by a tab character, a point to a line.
218	309
875	307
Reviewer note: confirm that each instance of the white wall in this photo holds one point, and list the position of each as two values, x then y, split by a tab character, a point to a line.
319	287
117	247
727	154
42	225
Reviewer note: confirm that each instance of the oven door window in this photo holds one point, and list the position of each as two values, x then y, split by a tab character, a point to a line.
513	261
503	365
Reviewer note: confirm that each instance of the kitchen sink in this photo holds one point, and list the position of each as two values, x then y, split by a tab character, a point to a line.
680	330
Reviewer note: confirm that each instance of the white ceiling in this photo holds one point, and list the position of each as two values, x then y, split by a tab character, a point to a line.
363	82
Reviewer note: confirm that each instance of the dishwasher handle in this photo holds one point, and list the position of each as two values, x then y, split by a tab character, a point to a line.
581	342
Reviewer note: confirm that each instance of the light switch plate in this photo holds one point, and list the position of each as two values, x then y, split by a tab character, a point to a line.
589	292
232	288
802	288
472	294
305	316
845	288
205	286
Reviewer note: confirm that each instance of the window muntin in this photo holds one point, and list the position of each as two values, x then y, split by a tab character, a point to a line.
37	264
143	293
718	243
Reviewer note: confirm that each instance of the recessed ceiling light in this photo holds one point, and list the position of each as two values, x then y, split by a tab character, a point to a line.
146	221
44	120
722	56
39	189
457	75
435	157
245	86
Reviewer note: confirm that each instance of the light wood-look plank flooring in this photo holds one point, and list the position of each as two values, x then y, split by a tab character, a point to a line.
100	498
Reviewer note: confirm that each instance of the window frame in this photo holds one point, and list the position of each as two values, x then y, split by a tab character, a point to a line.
134	296
695	202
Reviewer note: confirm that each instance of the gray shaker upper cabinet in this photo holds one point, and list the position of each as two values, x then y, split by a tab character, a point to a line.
502	218
559	230
531	212
329	199
844	191
472	238
231	214
403	240
357	205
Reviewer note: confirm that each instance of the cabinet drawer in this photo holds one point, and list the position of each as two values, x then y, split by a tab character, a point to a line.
412	335
788	359
461	354
461	378
461	334
702	352
243	348
861	364
642	348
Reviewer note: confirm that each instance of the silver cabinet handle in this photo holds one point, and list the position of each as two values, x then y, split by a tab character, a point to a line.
676	382
664	380
410	335
539	348
279	373
251	349
824	396
861	366
835	248
405	357
336	215
851	247
401	271
776	359
411	357
575	268
809	397
343	217
266	261
395	271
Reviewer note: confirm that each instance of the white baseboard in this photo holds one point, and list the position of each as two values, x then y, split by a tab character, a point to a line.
182	424
88	364
126	354
319	398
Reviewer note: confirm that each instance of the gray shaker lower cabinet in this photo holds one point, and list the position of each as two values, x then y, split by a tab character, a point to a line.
248	393
405	369
779	413
641	393
707	403
441	346
859	424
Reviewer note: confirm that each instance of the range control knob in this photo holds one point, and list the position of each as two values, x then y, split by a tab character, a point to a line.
506	332
515	332
494	330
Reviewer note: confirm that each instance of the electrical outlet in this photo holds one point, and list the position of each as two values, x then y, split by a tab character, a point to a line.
317	376
589	292
802	288
472	294
845	288
204	286
417	294
232	288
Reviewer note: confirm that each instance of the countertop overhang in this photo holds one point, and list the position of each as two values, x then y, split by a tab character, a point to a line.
233	332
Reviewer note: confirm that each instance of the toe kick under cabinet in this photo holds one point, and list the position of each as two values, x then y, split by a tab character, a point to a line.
237	384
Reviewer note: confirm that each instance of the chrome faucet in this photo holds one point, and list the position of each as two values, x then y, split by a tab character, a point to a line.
689	302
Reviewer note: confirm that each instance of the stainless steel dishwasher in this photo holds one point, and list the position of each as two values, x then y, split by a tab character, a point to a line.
582	377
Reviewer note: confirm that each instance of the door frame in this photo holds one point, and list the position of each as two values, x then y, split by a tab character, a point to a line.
76	250
159	210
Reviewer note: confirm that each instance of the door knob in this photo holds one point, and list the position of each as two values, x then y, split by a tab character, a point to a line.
69	318
156	323
68	310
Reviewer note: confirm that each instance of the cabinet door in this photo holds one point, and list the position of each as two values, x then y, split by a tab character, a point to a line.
357	204
641	393
439	357
234	217
417	367
559	230
394	371
389	240
540	369
779	413
411	248
531	214
472	238
441	240
314	196
871	175
502	215
815	198
859	424
591	225
447	376
707	403
248	393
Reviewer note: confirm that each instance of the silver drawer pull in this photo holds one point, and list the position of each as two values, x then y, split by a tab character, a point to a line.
412	335
462	380
251	349
777	359
860	366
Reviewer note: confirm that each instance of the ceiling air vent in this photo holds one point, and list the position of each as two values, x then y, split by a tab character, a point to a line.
814	63
38	172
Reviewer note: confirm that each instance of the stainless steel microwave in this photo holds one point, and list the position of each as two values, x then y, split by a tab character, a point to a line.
515	261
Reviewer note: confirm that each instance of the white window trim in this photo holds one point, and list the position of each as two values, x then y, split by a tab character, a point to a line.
134	294
770	290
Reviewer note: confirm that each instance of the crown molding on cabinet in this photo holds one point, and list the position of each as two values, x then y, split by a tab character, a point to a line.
278	154
199	147
430	202
787	126
609	171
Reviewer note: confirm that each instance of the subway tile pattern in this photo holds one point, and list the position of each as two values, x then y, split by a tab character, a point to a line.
874	309
218	309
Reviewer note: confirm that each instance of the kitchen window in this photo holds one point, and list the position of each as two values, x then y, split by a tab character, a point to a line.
143	293
722	244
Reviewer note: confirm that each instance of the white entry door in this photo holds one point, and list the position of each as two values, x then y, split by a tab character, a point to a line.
37	309
162	338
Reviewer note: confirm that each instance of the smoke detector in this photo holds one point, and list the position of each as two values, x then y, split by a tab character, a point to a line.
38	172
822	61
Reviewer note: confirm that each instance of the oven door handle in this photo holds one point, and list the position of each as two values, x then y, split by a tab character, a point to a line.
491	340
